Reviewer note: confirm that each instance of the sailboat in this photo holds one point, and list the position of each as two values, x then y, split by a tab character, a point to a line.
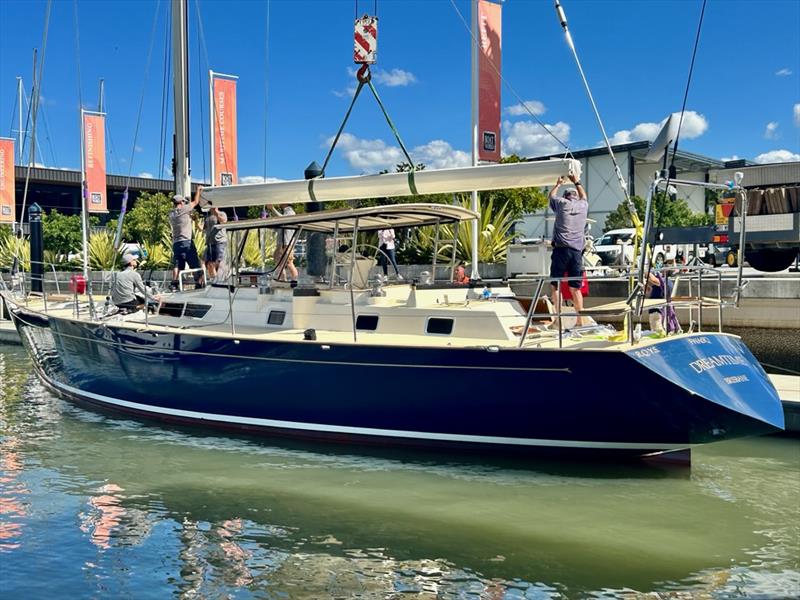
426	363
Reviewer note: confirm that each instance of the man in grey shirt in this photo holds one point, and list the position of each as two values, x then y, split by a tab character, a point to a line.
127	288
183	248
216	239
569	238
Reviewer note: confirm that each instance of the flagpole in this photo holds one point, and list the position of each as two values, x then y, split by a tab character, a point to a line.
84	198
474	204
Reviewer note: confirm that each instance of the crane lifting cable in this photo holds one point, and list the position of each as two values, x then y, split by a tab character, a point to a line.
365	54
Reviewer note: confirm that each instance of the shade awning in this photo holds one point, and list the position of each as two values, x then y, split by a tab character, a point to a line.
392	185
369	218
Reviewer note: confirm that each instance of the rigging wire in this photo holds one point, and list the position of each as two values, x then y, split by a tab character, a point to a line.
162	142
511	87
78	54
30	107
200	89
37	147
672	171
144	87
34	106
47	136
213	108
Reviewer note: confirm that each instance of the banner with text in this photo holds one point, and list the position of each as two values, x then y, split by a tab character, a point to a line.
7	199
489	36
94	161
224	168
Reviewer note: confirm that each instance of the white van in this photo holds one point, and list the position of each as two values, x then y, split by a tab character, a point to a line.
615	248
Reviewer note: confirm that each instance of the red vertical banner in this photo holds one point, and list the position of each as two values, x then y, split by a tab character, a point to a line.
94	161
490	36
7	200
224	167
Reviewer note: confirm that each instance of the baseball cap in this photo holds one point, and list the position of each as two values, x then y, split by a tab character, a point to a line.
128	259
178	198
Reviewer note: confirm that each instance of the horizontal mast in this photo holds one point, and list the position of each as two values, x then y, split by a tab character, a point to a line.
391	185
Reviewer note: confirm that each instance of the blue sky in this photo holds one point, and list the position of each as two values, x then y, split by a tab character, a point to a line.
745	93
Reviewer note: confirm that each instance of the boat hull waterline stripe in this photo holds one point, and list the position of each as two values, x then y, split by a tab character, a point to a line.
365	431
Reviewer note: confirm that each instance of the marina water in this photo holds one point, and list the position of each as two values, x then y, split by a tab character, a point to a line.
99	506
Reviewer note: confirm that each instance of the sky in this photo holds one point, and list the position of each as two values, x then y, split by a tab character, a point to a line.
296	77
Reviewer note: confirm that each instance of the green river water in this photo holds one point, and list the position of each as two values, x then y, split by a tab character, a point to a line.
95	506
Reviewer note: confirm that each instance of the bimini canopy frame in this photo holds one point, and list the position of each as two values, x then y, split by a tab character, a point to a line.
364	219
391	185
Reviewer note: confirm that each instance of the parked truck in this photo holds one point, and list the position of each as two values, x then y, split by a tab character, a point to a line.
772	236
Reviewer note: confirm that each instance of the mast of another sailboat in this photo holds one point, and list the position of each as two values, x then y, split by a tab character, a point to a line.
474	204
180	70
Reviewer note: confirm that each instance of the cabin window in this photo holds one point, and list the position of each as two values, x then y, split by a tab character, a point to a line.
197	311
439	326
171	309
276	317
367	322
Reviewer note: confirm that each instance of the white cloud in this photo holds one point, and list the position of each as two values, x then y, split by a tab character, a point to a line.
783	72
376	155
145	175
694	125
777	156
394	78
527	138
258	179
439	154
771	131
729	158
796	111
137	148
534	106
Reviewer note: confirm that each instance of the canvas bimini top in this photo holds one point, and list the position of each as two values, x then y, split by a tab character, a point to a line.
368	218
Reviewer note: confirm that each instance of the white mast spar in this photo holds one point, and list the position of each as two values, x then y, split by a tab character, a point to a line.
180	70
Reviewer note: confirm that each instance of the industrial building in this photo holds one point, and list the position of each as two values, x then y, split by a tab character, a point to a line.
605	195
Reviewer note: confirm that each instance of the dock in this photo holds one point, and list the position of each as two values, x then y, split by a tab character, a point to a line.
8	333
788	387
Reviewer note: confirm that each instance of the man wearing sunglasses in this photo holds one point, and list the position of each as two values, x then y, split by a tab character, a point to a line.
571	210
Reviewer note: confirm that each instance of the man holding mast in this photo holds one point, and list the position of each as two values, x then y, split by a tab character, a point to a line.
569	238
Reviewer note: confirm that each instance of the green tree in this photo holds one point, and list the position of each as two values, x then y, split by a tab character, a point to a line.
666	213
148	220
63	234
517	201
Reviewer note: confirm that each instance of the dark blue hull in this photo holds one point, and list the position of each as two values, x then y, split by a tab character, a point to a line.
426	397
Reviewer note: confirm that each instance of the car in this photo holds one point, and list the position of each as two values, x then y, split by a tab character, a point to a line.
615	247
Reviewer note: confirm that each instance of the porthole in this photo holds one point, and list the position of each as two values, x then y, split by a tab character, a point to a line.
367	322
276	317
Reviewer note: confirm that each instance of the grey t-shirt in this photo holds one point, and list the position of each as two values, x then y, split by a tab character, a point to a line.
125	285
570	222
214	234
181	221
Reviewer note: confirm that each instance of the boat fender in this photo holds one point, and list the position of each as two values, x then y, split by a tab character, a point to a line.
310	335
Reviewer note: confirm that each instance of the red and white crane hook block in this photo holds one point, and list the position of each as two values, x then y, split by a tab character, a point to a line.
366	41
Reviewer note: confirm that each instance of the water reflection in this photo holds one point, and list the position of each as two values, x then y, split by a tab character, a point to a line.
123	508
